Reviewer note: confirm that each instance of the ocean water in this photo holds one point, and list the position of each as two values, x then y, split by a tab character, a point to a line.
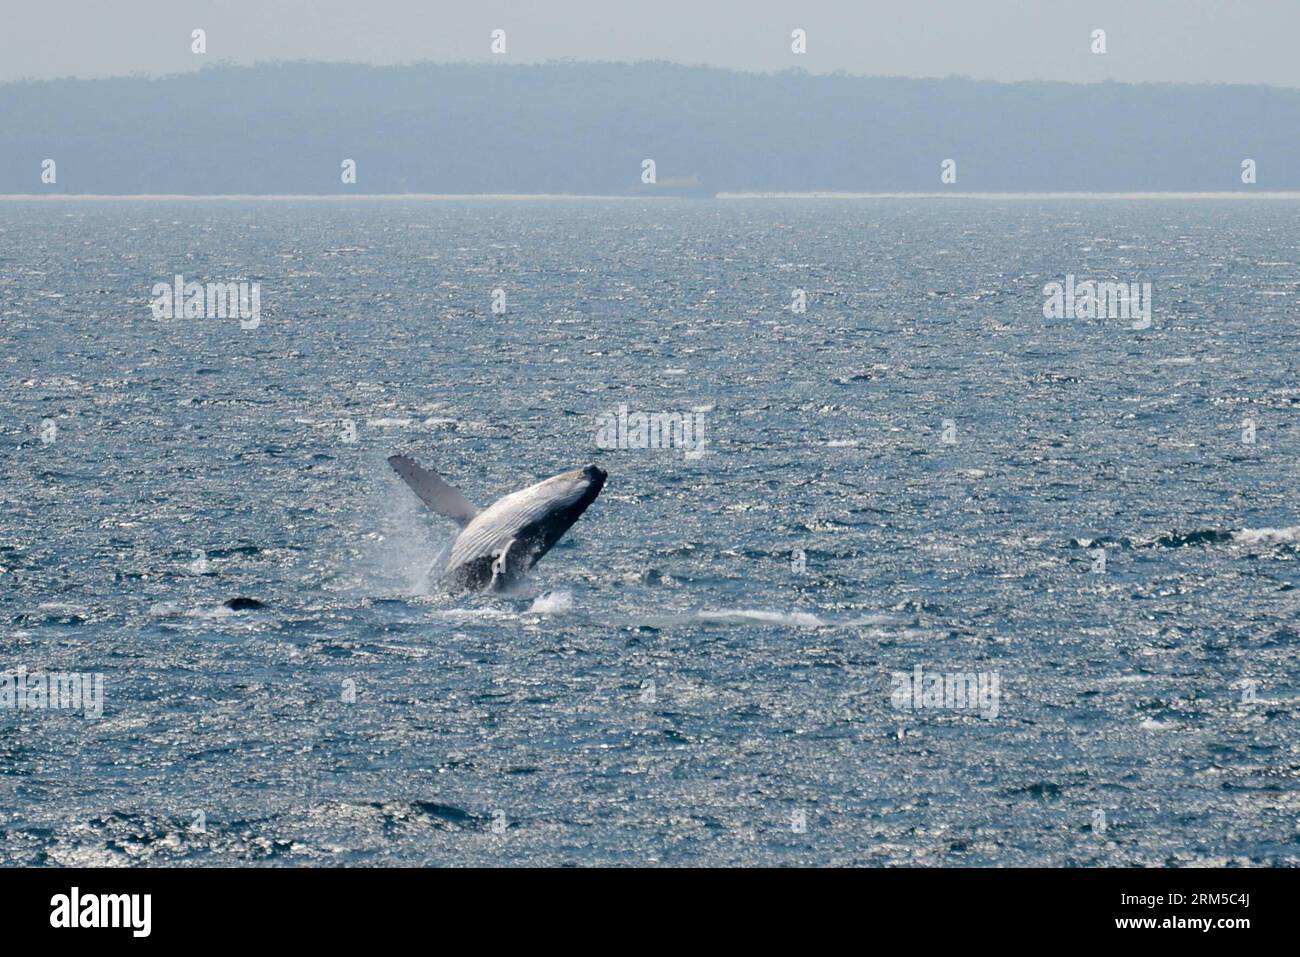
672	685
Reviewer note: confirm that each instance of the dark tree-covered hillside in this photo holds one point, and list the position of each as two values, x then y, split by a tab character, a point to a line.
585	128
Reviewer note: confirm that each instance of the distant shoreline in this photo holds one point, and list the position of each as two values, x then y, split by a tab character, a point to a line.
314	197
576	197
938	194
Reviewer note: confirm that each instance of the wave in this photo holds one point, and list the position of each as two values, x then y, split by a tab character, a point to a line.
1255	536
799	619
1203	536
1206	536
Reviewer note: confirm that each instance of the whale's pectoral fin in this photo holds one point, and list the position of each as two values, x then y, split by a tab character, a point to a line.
509	565
433	491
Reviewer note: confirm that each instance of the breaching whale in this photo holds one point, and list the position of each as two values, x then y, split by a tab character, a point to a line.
499	544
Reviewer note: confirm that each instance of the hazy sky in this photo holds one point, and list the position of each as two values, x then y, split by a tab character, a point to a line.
1225	41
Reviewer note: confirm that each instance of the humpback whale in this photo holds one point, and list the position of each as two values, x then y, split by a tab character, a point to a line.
498	545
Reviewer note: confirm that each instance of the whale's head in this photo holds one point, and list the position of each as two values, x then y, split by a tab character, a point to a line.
593	476
569	494
580	485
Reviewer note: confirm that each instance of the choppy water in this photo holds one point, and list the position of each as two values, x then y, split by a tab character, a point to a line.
195	462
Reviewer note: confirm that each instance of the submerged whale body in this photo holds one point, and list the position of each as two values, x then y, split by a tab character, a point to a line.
242	603
498	545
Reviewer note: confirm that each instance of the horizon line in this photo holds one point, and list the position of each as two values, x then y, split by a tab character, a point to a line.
492	61
624	197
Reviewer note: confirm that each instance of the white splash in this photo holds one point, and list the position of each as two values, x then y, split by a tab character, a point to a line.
1254	536
1152	725
215	613
552	603
798	619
